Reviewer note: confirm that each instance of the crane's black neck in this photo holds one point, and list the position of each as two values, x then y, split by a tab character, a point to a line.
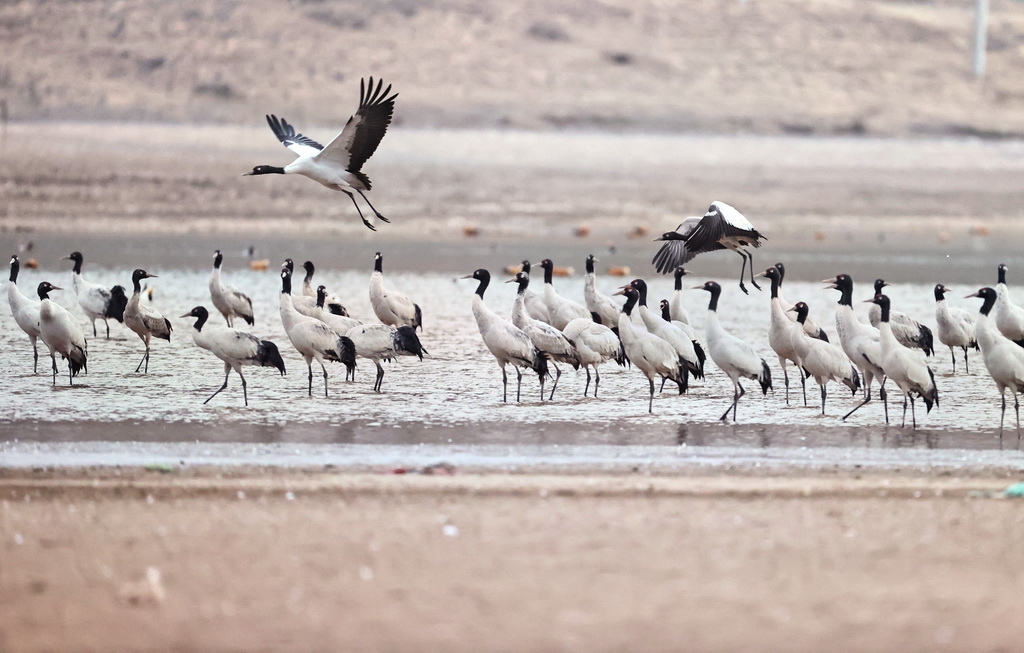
308	267
137	277
524	283
884	305
713	304
78	265
989	296
940	293
43	290
641	289
631	299
378	263
267	170
217	260
548	272
846	292
485	280
595	317
590	264
286	284
1002	274
321	296
801	313
15	266
782	271
666	314
526	267
679	279
201	318
776	282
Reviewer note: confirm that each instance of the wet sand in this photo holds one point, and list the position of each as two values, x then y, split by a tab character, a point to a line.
275	560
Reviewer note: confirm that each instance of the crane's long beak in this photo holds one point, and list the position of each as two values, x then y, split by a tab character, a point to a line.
186	315
512	280
621	291
246	174
152	276
468	276
56	288
700	287
973	294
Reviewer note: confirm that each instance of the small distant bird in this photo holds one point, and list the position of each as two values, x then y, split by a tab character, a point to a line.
1009	316
733	356
820	358
560	310
91	297
1003	358
332	303
339	165
908	331
61	334
391	307
226	299
506	342
544	336
722	227
312	338
118	302
905	367
25	311
381	342
143	319
235	348
955	326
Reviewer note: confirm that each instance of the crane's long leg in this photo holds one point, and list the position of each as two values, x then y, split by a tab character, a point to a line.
141	361
360	211
245	393
586	388
380	377
53	359
737	404
558	375
108	327
597	380
903	424
504	385
952	354
885	397
227	373
325	378
737	392
823	394
855	408
785	376
375	211
71	374
913	416
1016	410
803	384
751	257
519	384
967	367
93	320
310	366
650	402
743	269
35	356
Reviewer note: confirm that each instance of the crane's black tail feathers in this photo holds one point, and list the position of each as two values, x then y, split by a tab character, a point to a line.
698	370
250	319
932	396
765	378
268	355
77	360
540	363
418	320
337	309
822	335
924	340
407	341
118	302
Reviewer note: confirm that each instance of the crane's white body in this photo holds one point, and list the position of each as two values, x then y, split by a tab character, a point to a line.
506	342
823	360
781	340
1009	317
595	344
61	333
229	301
391	307
650	354
905	329
92	298
313	339
956	328
26	315
561	311
596	302
906	367
1004	360
146	322
680	341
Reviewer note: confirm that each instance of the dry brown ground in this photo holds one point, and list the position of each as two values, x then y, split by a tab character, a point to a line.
470	563
821	66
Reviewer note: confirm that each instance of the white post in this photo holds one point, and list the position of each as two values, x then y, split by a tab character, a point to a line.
980	38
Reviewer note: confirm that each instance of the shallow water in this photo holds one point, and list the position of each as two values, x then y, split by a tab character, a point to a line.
454	396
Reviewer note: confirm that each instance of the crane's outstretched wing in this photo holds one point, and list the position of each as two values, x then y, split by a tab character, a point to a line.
301	145
363	132
678	252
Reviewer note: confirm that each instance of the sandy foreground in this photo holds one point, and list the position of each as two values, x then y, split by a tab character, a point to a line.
285	559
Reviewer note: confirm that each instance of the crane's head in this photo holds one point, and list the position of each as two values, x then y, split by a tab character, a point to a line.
670	235
710	286
44	289
264	170
879	284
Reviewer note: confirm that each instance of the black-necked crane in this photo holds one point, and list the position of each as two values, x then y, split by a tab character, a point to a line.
909	332
391	307
92	298
535	303
595	344
338	166
25	312
382	342
676	310
61	333
780	333
313	339
506	342
955	326
597	302
859	341
649	353
1009	316
689	350
733	356
235	348
143	319
561	311
230	301
811	327
331	303
820	358
722	227
905	367
1003	358
666	314
544	336
305	304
